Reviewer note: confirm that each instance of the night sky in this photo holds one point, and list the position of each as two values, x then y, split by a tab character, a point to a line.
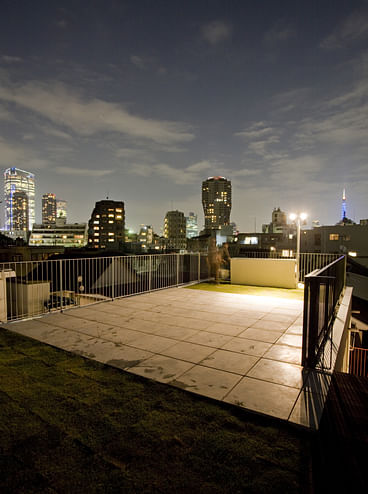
141	101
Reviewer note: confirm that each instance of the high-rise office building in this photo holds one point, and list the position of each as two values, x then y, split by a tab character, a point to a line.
48	209
216	201
19	189
175	230
61	211
192	225
106	228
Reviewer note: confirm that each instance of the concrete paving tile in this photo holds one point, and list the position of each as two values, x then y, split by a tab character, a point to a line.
263	397
141	325
119	335
162	369
225	328
151	342
284	353
318	382
243	321
207	382
271	325
230	361
295	329
248	347
114	354
214	340
278	373
260	335
308	410
188	322
174	332
188	351
291	339
285	318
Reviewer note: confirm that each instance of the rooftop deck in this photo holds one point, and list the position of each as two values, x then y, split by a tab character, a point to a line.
240	349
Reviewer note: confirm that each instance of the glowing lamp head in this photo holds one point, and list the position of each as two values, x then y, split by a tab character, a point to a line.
292	216
303	216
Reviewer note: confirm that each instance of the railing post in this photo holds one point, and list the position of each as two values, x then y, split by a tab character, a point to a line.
61	284
177	269
149	273
113	278
199	266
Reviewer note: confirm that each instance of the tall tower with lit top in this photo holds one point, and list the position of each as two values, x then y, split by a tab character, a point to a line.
343	206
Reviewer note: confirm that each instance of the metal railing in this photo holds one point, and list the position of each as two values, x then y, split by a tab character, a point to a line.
33	288
322	292
308	261
358	361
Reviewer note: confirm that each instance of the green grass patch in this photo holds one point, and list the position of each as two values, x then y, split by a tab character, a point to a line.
68	424
259	291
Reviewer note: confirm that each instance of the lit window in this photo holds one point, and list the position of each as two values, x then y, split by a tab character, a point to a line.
96	234
111	233
111	221
118	216
110	209
96	227
250	241
119	210
96	222
111	239
334	236
111	216
352	254
97	215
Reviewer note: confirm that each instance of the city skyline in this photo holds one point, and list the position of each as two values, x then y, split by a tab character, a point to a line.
141	103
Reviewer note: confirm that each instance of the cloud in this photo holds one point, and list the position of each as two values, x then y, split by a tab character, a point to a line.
148	63
81	172
23	157
353	29
190	174
215	32
11	59
280	32
88	117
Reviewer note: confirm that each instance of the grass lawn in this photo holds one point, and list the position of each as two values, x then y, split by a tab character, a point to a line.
72	425
262	291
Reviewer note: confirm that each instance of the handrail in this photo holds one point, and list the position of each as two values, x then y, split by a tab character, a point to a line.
322	292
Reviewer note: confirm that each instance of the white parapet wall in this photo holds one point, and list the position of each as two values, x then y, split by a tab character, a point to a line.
278	273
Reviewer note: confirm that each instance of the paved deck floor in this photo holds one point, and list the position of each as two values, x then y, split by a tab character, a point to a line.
240	349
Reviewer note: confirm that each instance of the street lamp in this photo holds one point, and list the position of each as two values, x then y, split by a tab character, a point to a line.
297	218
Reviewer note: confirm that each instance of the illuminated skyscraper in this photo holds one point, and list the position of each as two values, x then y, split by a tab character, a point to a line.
19	189
192	225
106	228
48	209
216	201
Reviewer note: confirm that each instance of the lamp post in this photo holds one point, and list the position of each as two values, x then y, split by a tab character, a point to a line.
298	217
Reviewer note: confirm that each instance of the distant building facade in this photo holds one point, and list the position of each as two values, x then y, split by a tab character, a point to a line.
19	193
341	238
61	211
175	230
216	201
192	225
106	228
145	237
73	235
48	209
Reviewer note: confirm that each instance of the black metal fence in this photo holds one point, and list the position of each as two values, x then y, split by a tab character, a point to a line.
322	292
